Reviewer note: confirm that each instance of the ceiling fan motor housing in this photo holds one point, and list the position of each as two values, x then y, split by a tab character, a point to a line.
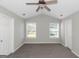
42	2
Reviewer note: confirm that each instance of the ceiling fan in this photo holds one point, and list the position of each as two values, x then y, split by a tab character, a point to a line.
43	4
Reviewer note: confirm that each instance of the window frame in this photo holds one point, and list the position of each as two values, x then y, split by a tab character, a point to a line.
35	30
53	31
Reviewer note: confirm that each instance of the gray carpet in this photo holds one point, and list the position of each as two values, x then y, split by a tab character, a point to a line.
42	51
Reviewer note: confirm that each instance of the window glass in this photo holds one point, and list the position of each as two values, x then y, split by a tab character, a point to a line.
53	30
31	30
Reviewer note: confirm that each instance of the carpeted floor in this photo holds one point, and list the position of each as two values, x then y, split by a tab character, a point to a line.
42	51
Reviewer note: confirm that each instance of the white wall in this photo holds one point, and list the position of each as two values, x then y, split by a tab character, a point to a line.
18	33
42	22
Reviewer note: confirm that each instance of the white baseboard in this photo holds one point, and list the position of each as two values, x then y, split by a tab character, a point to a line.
42	43
63	44
5	54
75	53
18	47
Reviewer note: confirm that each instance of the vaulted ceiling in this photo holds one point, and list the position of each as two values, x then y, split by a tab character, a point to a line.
60	10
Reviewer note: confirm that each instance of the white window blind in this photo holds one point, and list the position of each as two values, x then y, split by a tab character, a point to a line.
54	30
31	30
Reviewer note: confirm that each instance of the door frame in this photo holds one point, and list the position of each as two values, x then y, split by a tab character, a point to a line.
68	33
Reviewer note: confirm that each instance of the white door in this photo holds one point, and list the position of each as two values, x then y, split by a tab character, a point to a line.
4	35
68	33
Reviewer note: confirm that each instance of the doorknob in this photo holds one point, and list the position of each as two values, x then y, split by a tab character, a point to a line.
1	41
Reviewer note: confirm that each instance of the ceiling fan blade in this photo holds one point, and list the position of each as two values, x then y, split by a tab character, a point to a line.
38	9
51	2
40	0
47	8
32	3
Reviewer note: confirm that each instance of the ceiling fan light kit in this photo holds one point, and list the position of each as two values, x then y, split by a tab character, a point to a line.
43	4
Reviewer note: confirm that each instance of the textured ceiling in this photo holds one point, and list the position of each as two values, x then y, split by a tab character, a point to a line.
63	7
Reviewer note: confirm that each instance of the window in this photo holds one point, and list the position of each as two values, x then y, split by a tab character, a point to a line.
31	30
53	30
